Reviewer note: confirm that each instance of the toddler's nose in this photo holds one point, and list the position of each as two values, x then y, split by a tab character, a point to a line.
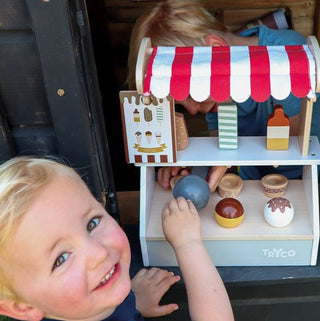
96	253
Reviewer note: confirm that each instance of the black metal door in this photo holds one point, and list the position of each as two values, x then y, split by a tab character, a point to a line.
49	94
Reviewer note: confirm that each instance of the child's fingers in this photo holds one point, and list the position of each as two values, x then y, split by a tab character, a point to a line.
192	208
165	211
170	207
162	310
157	275
141	273
184	172
167	282
161	288
164	175
182	203
186	206
179	206
173	205
154	272
160	278
215	175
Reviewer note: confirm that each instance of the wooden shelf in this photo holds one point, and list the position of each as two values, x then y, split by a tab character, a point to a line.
204	151
253	227
254	242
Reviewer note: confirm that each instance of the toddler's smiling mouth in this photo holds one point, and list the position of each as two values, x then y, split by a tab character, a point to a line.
110	277
107	276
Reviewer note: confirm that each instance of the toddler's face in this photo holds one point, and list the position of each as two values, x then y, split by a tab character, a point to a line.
68	257
193	107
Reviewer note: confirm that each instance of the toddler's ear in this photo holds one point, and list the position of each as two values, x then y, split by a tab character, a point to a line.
20	311
214	40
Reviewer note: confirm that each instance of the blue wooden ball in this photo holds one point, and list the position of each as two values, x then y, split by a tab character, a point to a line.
194	188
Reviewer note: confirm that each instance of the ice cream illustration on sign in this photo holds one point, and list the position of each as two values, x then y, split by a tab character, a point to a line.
159	114
147	115
158	137
138	137
148	135
136	116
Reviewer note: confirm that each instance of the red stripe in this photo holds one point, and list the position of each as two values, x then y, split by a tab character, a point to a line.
299	70
147	80
220	74
181	73
259	73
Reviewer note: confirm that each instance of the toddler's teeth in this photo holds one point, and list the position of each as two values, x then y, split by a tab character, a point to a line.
108	276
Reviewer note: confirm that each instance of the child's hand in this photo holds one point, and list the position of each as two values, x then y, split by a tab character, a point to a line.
149	286
181	223
214	176
166	173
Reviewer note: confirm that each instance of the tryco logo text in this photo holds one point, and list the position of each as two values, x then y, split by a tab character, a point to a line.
278	253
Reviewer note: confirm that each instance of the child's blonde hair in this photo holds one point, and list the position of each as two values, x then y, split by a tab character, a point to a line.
171	23
20	180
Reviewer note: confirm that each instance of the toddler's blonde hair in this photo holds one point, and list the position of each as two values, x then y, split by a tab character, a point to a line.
20	180
171	23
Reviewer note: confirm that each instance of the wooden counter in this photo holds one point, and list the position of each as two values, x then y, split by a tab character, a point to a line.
257	293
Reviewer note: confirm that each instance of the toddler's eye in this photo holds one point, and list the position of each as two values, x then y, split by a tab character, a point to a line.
93	224
60	260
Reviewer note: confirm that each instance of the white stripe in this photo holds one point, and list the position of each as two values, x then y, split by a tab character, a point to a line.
277	131
227	140
227	121
228	146
226	127
200	73
227	107
312	71
280	84
230	115
161	71
222	133
240	73
228	110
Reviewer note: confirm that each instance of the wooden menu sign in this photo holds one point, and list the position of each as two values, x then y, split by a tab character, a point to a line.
148	129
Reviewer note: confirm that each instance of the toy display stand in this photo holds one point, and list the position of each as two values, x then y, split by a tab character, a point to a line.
254	242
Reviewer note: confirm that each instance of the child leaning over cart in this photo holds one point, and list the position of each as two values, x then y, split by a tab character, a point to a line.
184	23
64	257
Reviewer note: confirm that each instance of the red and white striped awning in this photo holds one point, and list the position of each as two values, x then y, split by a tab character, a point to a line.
237	72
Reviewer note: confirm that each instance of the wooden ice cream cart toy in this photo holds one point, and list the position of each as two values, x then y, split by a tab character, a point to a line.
149	125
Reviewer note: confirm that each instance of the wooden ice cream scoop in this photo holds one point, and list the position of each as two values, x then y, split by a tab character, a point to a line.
193	187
